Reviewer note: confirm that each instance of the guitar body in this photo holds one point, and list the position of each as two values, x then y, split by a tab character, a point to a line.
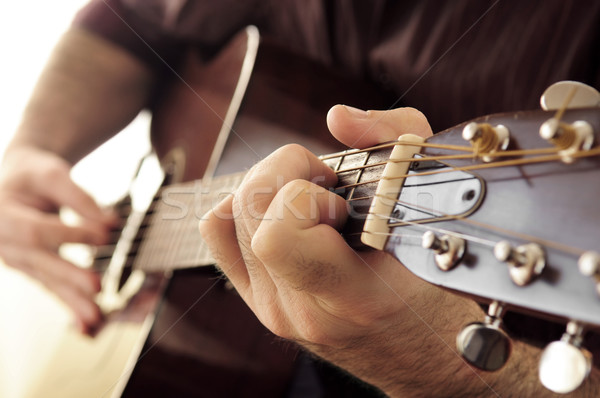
204	341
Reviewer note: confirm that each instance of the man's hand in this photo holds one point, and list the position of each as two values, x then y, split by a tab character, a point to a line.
34	185
277	240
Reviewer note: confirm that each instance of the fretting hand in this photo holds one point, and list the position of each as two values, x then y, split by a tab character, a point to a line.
277	240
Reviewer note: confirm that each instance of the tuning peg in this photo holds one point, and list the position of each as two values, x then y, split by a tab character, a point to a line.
564	364
486	138
589	265
555	95
568	138
449	249
484	344
525	262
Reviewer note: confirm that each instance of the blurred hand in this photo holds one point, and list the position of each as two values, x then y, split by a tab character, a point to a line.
34	185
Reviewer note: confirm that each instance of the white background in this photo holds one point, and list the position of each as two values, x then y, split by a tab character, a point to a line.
31	319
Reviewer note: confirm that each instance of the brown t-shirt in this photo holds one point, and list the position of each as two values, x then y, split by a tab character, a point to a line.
452	60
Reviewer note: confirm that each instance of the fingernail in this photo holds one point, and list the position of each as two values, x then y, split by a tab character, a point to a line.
359	113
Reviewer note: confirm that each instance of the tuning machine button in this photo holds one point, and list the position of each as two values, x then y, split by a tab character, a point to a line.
525	262
555	95
484	344
448	249
589	265
564	364
486	139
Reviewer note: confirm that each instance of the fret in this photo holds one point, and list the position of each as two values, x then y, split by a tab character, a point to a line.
179	223
171	239
359	174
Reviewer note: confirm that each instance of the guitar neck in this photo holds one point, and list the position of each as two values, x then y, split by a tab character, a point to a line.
171	239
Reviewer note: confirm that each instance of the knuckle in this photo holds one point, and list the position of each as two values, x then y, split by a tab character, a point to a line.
291	149
32	235
265	243
55	172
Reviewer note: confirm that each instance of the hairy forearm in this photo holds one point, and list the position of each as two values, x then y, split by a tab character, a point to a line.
89	90
422	361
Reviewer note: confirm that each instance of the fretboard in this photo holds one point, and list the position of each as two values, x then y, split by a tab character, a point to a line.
171	239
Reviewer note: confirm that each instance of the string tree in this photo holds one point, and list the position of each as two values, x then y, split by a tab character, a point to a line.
589	265
565	364
448	249
486	345
486	139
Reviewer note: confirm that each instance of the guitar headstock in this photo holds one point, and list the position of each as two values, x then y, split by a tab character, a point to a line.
500	206
504	209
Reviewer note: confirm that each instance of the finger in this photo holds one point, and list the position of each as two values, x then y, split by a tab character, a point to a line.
218	231
52	265
300	213
77	291
360	129
27	226
286	164
56	184
310	257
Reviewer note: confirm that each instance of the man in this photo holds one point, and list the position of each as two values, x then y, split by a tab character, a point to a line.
451	61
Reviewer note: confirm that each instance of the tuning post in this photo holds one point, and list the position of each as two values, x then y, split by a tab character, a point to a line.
448	249
484	344
525	262
486	139
565	364
568	138
589	265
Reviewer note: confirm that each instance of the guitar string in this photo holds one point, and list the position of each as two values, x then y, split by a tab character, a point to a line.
461	218
592	152
350	152
545	242
471	238
472	167
523	152
513	162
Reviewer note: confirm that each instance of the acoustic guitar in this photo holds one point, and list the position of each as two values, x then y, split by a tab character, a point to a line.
502	208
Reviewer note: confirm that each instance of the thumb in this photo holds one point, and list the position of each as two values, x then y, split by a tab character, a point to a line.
360	129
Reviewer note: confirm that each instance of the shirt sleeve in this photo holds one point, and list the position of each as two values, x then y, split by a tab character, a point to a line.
156	31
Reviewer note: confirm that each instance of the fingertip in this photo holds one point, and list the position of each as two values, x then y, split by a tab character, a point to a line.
354	127
359	129
87	320
412	120
89	282
210	221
